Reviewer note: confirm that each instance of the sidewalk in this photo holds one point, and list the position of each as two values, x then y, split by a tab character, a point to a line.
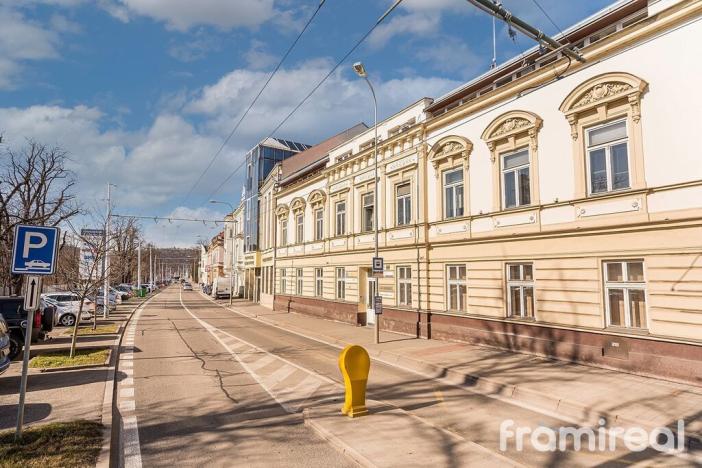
580	393
61	395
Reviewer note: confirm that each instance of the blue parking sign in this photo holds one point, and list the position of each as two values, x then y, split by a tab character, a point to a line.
35	251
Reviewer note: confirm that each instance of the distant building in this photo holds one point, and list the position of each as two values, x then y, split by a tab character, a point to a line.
259	163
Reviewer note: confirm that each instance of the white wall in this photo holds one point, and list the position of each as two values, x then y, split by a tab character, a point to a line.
670	110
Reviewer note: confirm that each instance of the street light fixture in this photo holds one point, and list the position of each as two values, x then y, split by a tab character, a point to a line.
233	260
361	71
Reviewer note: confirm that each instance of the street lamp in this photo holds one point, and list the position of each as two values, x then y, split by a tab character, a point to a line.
361	71
231	271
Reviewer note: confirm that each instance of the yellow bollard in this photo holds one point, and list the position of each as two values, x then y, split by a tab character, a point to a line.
354	364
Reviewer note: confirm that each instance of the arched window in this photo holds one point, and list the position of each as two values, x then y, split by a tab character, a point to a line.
604	114
316	201
449	156
512	139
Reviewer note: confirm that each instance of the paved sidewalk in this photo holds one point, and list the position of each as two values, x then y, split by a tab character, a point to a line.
61	395
576	392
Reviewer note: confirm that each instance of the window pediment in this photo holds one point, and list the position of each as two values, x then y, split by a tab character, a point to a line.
316	198
510	125
601	90
451	148
282	211
298	204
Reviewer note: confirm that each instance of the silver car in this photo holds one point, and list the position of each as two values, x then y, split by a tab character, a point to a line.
67	305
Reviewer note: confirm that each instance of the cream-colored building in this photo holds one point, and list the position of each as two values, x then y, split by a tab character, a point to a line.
548	206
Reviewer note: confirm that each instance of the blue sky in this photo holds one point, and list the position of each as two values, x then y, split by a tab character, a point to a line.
143	92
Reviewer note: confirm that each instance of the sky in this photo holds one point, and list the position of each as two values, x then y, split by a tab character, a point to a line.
143	93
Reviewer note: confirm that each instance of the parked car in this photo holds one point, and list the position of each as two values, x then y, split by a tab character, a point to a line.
221	287
67	307
4	345
125	290
187	286
99	300
12	309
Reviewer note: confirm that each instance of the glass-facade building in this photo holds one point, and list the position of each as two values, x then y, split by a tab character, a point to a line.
259	163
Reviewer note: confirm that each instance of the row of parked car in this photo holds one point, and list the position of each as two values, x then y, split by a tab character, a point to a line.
58	308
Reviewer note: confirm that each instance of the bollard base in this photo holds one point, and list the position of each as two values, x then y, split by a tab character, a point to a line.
357	412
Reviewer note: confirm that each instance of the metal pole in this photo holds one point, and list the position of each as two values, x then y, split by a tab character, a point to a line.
231	271
496	9
106	263
25	367
139	266
151	273
375	199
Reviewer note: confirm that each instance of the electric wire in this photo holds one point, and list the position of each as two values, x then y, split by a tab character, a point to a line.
255	99
314	89
548	16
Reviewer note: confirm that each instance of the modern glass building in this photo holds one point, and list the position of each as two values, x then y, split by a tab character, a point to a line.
259	163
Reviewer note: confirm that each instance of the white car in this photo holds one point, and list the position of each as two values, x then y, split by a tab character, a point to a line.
67	305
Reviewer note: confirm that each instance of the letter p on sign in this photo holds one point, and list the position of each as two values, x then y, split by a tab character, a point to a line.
28	244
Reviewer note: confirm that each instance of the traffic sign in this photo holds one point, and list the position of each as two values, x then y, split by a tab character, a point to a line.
35	250
378	305
378	266
32	290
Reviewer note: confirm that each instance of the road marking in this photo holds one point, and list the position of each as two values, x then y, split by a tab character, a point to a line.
130	449
291	396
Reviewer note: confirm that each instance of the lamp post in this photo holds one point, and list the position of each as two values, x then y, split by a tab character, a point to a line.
231	271
361	71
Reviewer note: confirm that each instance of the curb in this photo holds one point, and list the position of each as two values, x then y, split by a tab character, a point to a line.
104	457
334	441
558	407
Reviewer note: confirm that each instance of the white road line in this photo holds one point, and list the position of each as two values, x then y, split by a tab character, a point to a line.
130	449
250	367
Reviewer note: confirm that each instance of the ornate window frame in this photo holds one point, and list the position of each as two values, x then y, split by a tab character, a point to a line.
449	153
598	100
282	212
507	133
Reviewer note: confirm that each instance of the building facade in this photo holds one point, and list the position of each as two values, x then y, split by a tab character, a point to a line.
548	206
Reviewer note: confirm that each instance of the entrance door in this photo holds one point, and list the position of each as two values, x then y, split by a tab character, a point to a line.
370	294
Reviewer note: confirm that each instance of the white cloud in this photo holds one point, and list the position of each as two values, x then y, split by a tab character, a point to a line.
257	57
194	48
416	23
451	55
341	102
24	40
182	15
183	233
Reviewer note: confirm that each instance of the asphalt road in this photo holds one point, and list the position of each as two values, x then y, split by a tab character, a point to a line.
214	388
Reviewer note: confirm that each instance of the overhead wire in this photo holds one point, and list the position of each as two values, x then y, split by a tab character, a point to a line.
255	99
314	89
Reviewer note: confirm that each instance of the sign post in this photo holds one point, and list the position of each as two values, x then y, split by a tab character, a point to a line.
34	254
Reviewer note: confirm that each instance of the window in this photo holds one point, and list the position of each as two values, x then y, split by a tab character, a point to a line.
298	283
625	294
404	285
456	283
368	205
283	281
340	282
318	282
319	224
520	290
515	179
453	193
340	218
299	228
283	232
404	204
608	157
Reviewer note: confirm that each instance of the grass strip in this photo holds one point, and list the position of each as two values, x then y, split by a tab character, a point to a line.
62	359
61	444
99	330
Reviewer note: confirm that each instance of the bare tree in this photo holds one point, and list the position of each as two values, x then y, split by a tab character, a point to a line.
35	188
126	235
84	276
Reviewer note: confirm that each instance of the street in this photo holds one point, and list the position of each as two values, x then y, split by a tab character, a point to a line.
212	387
